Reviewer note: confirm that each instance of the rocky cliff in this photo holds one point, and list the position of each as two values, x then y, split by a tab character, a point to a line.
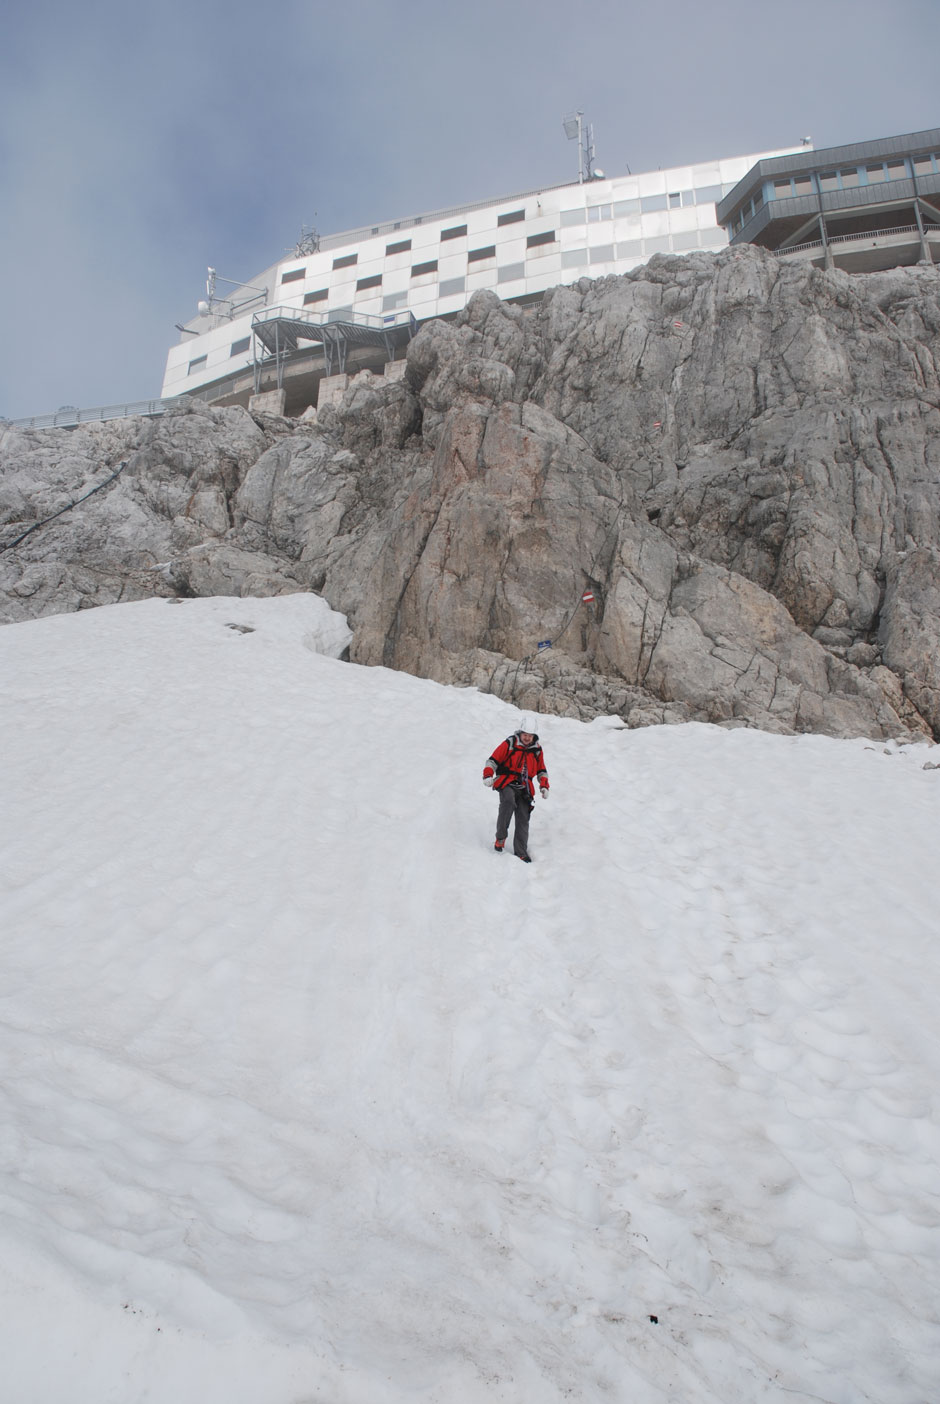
739	458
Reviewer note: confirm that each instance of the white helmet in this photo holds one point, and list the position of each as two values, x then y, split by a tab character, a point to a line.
527	724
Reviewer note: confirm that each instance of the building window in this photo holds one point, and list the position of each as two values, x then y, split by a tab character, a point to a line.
475	255
708	195
573	258
829	180
374	282
457	231
419	269
320	295
534	240
402	247
685	241
239	346
450	286
573	217
803	185
923	165
510	272
875	174
347	261
196	365
513	217
651	203
897	170
782	189
598	212
630	248
849	178
294	275
675	199
603	253
392	301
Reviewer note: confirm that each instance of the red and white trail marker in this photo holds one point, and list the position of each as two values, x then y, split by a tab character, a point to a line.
588	597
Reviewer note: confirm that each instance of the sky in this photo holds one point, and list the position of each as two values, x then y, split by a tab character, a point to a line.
140	144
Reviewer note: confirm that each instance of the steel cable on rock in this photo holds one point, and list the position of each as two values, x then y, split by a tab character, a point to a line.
67	508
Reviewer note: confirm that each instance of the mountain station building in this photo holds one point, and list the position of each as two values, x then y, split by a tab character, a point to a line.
355	299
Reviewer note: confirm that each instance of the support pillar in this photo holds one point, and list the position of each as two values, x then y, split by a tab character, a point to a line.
331	389
828	261
925	255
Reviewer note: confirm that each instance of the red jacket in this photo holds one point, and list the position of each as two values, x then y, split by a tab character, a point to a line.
513	761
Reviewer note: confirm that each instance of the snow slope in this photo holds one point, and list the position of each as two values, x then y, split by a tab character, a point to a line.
309	1095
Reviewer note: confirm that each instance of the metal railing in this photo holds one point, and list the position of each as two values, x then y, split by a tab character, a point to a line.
68	417
872	235
375	321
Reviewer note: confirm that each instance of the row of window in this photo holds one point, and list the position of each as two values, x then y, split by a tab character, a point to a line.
647	204
418	270
592	214
508	273
846	178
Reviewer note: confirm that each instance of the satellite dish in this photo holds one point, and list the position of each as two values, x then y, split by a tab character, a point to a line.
202	307
599	175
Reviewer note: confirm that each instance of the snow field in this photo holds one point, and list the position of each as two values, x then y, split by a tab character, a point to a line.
310	1095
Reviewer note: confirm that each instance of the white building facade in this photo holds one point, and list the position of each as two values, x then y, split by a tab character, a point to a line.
430	265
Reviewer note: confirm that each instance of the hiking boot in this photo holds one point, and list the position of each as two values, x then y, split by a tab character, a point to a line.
499	845
524	857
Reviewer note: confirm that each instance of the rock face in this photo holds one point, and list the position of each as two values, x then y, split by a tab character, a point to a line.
739	458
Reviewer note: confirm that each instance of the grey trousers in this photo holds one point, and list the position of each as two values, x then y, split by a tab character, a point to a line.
516	802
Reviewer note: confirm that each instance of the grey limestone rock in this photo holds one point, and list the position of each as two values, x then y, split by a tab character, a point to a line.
739	457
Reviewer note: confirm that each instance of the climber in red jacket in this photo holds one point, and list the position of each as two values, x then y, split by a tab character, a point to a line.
513	768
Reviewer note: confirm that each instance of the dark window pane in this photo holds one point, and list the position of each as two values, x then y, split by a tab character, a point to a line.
875	174
403	247
197	364
850	177
239	346
320	295
457	231
513	217
535	239
294	275
346	261
475	255
375	281
420	268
